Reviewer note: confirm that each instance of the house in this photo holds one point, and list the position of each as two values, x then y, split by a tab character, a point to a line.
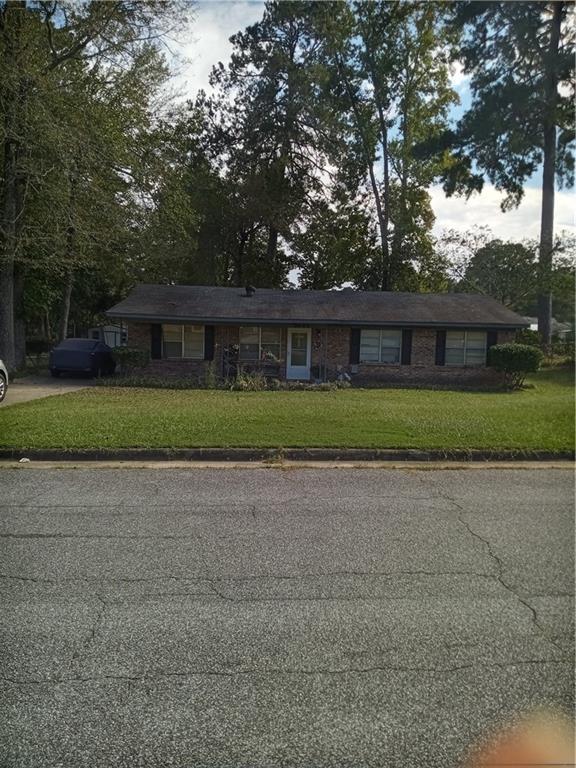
561	331
373	337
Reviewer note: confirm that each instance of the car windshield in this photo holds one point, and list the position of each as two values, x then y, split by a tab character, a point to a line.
77	344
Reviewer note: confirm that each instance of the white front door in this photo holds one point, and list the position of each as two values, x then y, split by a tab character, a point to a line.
298	353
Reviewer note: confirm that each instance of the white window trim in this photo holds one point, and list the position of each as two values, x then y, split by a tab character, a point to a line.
465	363
380	361
259	358
203	352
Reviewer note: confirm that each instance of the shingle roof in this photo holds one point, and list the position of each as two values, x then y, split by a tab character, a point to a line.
211	305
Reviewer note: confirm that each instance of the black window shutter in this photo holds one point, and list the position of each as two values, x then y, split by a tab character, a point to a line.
440	347
491	340
208	342
406	346
155	341
354	346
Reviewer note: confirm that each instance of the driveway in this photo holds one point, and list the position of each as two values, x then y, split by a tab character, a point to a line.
269	617
35	387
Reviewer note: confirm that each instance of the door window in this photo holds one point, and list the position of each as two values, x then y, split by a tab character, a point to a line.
299	350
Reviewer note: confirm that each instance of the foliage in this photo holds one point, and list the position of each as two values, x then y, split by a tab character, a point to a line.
507	270
244	382
538	418
211	380
80	89
564	348
504	49
391	83
248	382
148	381
515	361
520	58
129	358
527	337
335	245
308	154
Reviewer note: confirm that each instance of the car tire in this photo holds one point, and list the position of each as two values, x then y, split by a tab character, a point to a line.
55	374
3	387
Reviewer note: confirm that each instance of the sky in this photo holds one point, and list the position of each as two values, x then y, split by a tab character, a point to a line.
208	43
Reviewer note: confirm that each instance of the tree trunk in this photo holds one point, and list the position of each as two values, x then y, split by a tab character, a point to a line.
271	247
548	180
13	20
386	273
65	316
19	322
239	260
71	255
386	281
368	156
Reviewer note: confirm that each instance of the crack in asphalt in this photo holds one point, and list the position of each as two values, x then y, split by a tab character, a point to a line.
280	672
509	587
206	505
93	630
263	577
500	568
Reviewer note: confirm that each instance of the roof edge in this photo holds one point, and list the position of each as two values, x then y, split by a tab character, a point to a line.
248	321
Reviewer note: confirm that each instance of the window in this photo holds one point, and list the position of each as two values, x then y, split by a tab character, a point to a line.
465	348
260	343
380	346
183	341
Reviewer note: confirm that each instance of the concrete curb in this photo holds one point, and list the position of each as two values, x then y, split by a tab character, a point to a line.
277	455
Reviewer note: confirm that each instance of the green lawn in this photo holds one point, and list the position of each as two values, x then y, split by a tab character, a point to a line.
541	417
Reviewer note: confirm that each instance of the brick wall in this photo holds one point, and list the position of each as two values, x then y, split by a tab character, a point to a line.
139	336
506	337
422	370
330	354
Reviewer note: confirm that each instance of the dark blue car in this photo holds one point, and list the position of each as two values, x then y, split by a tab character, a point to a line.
87	356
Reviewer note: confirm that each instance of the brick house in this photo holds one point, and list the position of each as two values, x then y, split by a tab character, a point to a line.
374	337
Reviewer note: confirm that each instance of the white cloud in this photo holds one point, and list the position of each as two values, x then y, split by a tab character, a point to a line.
484	209
457	75
215	22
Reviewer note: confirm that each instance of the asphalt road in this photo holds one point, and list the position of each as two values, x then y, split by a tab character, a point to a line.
268	617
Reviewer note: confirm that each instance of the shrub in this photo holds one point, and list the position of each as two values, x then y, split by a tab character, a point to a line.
149	382
210	377
245	382
129	358
249	382
528	337
515	361
563	348
38	346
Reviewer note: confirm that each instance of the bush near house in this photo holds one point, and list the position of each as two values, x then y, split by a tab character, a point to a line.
515	361
528	336
129	358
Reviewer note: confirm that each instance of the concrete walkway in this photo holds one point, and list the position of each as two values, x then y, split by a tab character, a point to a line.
35	387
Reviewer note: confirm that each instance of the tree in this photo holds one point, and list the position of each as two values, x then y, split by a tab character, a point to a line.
520	58
504	270
277	134
335	244
508	271
49	53
391	76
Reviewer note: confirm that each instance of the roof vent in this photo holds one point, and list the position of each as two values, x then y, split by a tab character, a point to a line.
250	290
